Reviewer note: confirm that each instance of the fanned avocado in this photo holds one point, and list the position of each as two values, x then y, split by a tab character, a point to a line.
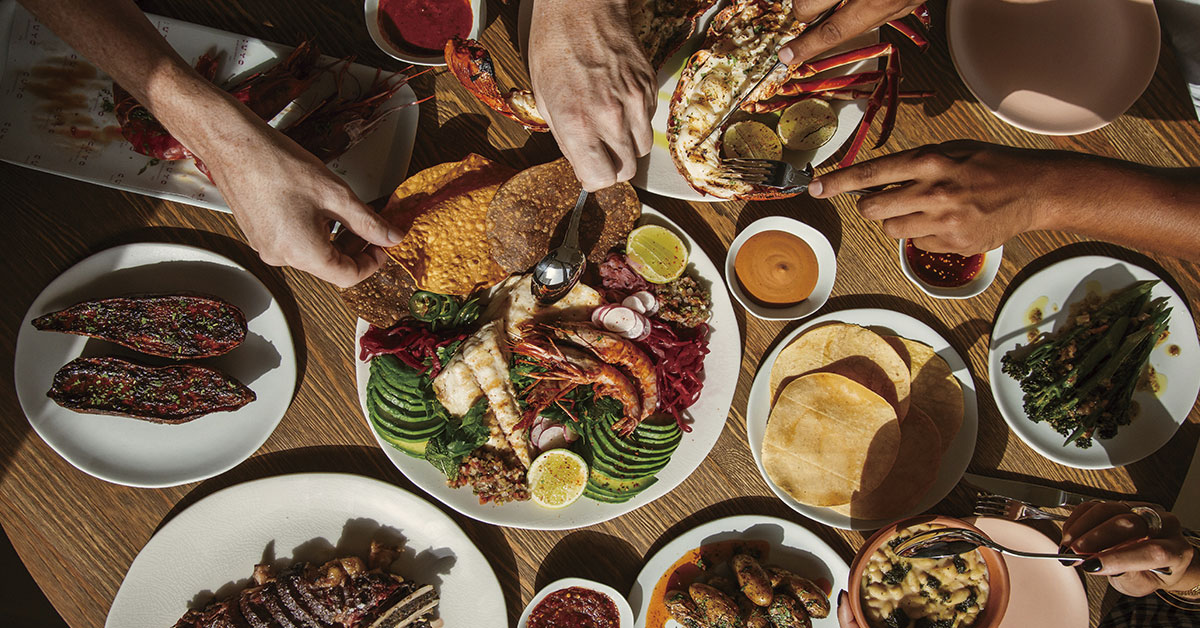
402	407
621	467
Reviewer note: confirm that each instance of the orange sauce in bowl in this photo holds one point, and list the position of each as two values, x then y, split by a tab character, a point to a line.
776	269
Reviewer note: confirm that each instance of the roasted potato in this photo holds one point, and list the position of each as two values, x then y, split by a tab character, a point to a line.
786	612
719	610
806	591
752	579
754	615
683	609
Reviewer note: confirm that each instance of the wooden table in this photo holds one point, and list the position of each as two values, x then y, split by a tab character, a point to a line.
77	535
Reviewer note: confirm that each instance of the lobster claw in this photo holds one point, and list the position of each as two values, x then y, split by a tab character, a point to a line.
472	65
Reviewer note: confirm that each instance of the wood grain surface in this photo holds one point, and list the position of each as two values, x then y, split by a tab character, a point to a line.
78	535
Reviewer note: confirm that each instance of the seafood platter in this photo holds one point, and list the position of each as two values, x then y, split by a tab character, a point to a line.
345	113
801	114
530	415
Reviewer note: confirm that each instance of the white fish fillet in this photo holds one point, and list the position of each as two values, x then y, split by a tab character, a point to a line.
520	307
455	387
485	355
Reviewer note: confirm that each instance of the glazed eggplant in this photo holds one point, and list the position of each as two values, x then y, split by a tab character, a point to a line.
177	326
165	394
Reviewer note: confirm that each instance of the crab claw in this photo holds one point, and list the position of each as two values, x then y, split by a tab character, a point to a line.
472	65
891	78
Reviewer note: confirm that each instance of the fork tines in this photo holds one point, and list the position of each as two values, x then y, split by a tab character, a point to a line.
995	506
749	170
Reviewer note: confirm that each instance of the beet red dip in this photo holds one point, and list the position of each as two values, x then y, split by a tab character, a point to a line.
942	270
575	607
424	26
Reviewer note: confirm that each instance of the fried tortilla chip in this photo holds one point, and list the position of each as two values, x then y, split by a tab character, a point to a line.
913	472
382	298
851	351
829	438
935	390
446	248
529	215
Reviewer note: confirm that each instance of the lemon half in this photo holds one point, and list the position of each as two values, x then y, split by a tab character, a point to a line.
557	478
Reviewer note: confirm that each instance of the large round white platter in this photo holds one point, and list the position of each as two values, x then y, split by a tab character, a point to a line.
215	543
135	452
792	547
656	171
1052	290
709	412
954	461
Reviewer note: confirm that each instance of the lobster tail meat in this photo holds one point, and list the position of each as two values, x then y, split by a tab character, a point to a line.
170	326
472	65
166	394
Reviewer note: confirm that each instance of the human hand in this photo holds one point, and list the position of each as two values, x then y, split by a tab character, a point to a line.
962	197
844	615
286	201
593	85
1123	546
848	22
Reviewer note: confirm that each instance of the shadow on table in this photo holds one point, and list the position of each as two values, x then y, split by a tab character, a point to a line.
587	554
369	461
470	132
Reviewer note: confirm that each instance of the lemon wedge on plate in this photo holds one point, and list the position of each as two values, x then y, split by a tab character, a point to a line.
656	253
557	478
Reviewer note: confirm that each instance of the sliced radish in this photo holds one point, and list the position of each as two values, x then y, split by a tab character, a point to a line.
620	320
539	426
634	304
599	312
553	437
570	433
648	300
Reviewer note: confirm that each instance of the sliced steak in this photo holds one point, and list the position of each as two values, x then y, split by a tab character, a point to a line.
170	325
166	394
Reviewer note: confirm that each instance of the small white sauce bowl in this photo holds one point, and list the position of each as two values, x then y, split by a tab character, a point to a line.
826	269
623	609
371	12
975	287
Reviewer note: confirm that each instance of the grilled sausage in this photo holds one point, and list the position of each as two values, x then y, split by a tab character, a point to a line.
720	611
806	591
682	609
786	612
752	579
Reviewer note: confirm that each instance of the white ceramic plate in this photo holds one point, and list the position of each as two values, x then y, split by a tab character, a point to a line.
709	413
625	619
657	173
1057	68
1042	593
214	544
954	461
793	547
1052	290
826	268
135	452
78	139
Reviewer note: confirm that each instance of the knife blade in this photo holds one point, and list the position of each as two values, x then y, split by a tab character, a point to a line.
1036	494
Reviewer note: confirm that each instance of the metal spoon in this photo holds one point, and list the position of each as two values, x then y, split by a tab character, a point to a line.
946	542
559	271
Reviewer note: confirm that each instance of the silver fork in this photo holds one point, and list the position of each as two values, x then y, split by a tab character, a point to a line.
773	173
988	505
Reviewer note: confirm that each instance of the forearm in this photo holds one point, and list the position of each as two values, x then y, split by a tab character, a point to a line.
116	36
1146	208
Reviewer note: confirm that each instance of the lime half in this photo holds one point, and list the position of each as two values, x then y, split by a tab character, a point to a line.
656	253
557	478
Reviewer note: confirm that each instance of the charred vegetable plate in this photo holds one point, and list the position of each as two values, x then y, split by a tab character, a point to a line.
312	518
745	567
1077	303
479	427
85	141
220	393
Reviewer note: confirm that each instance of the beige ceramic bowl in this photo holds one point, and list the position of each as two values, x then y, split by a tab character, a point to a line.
997	604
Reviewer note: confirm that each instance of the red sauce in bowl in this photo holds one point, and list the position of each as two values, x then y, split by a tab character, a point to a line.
575	607
424	26
942	270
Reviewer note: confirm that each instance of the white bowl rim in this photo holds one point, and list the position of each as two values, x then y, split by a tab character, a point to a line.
371	16
624	610
973	288
826	268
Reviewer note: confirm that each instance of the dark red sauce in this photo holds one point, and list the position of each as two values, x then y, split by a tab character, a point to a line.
424	26
942	270
575	607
